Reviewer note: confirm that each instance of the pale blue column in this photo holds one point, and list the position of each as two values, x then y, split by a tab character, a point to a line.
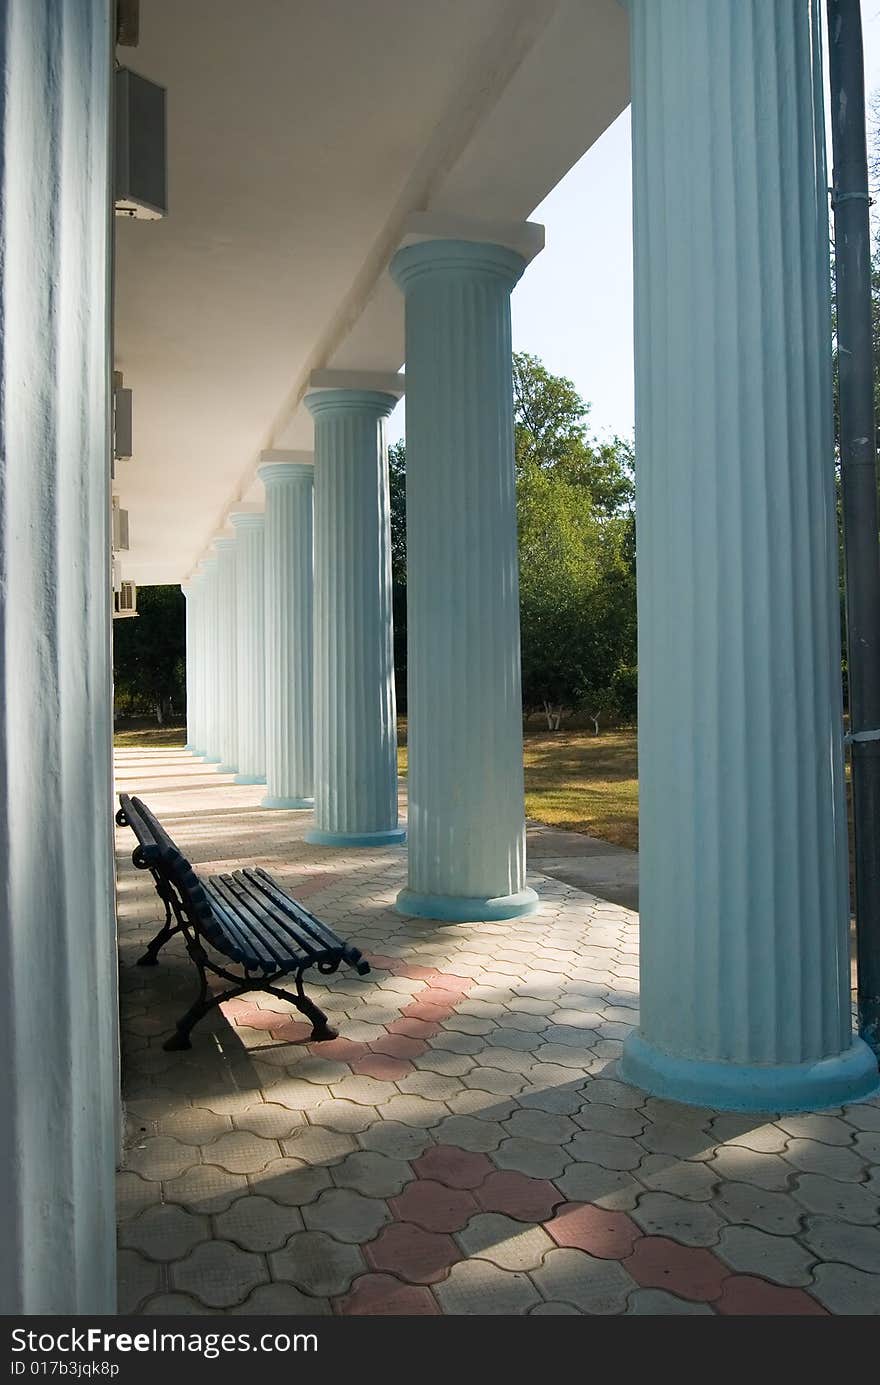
250	581
210	661
355	715
743	869
226	692
197	597
190	663
288	634
466	823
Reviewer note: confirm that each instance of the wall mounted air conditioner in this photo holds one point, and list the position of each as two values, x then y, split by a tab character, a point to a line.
122	422
140	156
125	600
120	527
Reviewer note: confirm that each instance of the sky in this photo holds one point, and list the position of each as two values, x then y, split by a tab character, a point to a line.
573	306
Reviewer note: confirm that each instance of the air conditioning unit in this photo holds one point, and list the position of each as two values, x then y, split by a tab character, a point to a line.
125	600
122	426
140	163
119	540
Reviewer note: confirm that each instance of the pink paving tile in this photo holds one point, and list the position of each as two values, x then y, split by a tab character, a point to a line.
381	1066
423	1010
459	984
457	1168
415	972
380	1295
235	1005
413	1028
606	1234
253	1018
746	1295
383	963
437	995
433	1206
518	1195
291	1031
341	1050
419	1256
399	1046
689	1271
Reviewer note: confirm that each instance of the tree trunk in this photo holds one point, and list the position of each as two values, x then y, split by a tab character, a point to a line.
160	713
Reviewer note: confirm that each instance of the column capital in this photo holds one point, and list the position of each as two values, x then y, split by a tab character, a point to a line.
223	543
524	238
209	564
278	466
374	381
469	258
350	401
247	519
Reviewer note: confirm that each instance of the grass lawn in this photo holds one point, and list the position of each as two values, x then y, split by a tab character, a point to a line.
579	782
574	780
152	736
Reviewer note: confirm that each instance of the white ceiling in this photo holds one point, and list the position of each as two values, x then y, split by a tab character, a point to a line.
301	135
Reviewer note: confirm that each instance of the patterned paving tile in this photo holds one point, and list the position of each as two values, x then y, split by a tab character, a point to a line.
746	1296
412	1253
434	1206
381	1294
592	1285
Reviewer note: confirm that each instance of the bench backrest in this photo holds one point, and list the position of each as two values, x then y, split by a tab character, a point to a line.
158	852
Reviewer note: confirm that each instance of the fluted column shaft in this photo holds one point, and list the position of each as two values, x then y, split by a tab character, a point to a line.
197	598
190	664
227	656
744	939
288	634
210	666
355	715
250	583
466	824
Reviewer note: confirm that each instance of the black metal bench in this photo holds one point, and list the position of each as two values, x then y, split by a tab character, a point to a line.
246	917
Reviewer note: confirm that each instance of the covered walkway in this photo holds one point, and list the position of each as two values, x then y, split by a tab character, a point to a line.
465	1146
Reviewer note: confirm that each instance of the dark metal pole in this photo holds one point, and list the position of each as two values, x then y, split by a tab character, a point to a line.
858	457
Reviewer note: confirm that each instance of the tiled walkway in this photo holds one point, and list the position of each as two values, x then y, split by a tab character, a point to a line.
465	1146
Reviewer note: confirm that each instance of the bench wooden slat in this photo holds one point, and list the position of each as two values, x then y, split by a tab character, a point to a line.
279	918
240	941
278	936
266	945
273	891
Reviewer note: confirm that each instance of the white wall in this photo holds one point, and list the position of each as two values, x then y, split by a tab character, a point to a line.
58	1033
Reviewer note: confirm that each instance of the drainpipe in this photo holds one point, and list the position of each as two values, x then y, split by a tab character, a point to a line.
858	455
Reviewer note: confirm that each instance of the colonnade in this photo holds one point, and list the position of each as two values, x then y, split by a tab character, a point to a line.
744	957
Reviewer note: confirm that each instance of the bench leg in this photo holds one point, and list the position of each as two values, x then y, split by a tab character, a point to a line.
321	1029
151	956
199	1008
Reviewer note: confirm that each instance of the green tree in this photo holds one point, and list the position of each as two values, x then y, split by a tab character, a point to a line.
577	553
149	655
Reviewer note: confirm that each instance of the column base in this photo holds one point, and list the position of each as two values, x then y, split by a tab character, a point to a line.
212	760
189	747
198	754
850	1076
227	769
461	909
249	779
392	837
270	802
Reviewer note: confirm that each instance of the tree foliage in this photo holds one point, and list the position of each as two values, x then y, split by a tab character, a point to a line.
577	553
149	654
575	514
